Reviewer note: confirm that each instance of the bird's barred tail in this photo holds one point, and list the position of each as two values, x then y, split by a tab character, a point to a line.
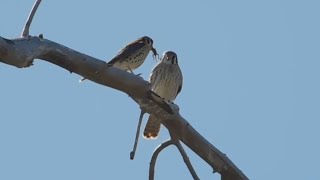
152	128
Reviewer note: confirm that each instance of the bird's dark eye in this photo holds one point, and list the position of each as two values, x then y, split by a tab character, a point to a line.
174	57
151	41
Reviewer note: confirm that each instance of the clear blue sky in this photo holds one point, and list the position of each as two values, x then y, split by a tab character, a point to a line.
251	87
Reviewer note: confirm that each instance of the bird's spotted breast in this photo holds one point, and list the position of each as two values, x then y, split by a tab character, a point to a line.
137	60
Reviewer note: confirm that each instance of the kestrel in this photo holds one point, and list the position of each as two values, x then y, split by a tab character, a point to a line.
166	81
132	56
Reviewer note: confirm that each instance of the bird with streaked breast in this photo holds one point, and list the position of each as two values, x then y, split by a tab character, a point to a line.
166	81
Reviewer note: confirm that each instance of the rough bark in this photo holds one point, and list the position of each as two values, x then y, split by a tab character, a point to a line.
21	53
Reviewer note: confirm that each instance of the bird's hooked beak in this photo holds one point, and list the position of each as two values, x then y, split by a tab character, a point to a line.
155	54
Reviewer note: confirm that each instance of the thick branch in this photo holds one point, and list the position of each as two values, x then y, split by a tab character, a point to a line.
190	137
22	52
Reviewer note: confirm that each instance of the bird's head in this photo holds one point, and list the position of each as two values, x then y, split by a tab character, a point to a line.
147	40
170	57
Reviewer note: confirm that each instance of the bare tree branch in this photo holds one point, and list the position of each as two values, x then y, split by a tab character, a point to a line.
155	155
186	160
21	53
173	140
133	152
25	31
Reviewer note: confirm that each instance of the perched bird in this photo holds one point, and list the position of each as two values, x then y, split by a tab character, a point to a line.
132	56
166	81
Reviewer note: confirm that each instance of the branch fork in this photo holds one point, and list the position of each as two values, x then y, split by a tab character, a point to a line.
176	142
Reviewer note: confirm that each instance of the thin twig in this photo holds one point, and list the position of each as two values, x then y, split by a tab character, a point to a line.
155	155
137	135
186	160
25	31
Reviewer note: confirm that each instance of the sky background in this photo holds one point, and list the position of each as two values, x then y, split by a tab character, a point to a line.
251	88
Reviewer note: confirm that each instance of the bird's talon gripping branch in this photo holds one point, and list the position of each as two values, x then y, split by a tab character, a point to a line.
130	70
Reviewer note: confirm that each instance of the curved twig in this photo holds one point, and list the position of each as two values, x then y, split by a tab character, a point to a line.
25	31
184	155
133	152
155	155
